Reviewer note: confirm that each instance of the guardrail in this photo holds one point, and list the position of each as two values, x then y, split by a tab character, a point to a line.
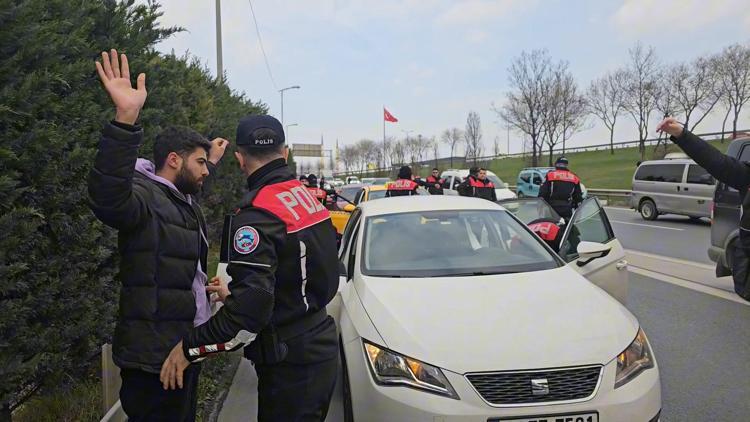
618	196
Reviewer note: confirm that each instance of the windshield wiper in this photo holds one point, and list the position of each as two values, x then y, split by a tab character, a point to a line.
475	273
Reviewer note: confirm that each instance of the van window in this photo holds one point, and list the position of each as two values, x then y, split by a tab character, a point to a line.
537	179
526	177
699	175
670	173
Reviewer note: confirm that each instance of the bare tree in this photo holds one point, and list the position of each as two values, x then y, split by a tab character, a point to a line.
473	136
435	145
398	152
368	153
667	103
348	157
523	105
452	137
641	90
496	146
733	79
605	99
564	111
694	88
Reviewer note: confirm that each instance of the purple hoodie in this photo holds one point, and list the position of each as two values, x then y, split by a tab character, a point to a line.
202	311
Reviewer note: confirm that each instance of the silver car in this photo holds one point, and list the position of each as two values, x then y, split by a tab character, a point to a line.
677	186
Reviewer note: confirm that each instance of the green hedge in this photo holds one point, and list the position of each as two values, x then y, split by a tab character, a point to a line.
58	295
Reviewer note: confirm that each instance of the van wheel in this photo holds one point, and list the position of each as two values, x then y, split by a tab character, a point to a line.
520	194
348	410
648	210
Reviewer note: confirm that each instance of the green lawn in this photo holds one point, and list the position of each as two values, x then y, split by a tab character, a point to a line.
597	169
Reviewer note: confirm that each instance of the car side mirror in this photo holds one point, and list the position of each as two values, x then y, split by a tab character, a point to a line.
589	251
349	208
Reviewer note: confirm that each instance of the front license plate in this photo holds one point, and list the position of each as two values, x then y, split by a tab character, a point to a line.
576	417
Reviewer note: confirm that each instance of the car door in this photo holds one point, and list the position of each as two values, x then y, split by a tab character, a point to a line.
524	182
536	183
348	241
699	190
590	223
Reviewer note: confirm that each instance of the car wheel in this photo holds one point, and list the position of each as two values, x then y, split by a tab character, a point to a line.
520	194
347	392
648	210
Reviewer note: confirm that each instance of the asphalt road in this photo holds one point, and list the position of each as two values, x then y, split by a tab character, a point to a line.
702	346
670	235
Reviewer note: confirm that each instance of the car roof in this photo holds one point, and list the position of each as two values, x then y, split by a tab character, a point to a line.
672	161
375	188
404	204
537	168
463	172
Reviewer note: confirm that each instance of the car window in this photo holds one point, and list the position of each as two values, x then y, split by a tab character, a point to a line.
350	192
346	237
496	181
537	179
358	196
670	173
526	177
589	224
482	242
528	210
376	194
699	175
352	257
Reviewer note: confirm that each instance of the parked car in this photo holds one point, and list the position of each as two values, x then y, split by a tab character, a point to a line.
452	309
352	179
725	214
364	193
452	178
676	186
337	182
531	179
375	180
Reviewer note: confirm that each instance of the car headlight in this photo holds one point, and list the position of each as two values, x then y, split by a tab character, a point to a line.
391	368
634	360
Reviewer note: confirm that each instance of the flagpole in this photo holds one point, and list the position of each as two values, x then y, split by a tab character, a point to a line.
383	136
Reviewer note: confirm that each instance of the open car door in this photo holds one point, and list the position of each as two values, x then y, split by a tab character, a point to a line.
590	247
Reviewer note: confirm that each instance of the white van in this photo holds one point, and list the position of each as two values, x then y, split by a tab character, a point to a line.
452	178
673	186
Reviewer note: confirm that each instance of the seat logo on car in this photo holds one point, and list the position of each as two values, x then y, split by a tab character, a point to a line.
539	387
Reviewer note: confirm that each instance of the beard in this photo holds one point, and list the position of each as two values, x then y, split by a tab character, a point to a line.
186	183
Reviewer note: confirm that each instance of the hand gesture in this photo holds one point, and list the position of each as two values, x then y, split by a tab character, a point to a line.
173	367
115	75
220	287
218	147
671	126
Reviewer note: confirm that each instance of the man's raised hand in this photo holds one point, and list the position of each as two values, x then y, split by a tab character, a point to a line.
218	147
671	126
115	75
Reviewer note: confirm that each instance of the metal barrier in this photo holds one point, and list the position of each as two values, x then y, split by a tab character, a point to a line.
619	196
111	381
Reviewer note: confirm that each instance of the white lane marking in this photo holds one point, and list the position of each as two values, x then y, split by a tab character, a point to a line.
674	260
689	285
646	225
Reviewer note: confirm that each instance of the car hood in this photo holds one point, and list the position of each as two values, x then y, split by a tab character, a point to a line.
541	319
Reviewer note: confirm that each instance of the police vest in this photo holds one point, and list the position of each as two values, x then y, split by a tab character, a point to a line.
563	176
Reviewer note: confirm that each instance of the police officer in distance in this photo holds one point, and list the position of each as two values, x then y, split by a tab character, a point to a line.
477	185
319	193
434	183
303	179
404	185
283	264
562	189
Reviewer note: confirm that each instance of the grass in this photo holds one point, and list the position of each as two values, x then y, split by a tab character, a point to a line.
597	169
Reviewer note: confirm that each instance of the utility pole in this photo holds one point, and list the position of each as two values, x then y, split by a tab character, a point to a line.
281	91
219	57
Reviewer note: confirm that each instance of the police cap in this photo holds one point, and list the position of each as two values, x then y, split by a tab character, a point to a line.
260	131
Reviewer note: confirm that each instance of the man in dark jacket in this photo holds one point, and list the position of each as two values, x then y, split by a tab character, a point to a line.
404	185
562	189
283	264
730	171
162	243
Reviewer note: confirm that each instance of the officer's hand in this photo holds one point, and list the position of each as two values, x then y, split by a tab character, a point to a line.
115	75
173	368
218	148
671	126
220	287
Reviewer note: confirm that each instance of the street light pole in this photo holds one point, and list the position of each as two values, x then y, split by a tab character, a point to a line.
219	54
289	138
281	91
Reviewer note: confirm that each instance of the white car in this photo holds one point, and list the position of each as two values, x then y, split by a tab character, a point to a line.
450	309
452	178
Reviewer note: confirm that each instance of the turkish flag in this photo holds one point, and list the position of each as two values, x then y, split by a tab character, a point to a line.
388	116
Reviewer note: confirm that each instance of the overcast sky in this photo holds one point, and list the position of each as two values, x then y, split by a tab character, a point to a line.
430	62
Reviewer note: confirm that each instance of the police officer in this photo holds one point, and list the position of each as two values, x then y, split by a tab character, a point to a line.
477	185
319	193
562	189
404	185
434	183
549	230
303	179
283	264
730	171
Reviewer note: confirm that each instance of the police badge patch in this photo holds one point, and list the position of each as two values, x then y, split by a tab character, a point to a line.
246	239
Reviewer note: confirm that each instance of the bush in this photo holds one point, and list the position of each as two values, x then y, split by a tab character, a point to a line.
57	262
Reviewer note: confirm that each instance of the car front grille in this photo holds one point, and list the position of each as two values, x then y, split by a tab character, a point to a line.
515	388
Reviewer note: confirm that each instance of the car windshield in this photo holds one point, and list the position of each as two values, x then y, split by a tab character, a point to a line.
496	181
349	192
451	243
367	181
528	210
376	194
381	181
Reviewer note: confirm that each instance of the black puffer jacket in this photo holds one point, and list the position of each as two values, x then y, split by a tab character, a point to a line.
159	245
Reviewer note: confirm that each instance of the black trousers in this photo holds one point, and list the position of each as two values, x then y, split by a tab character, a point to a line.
295	392
144	399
